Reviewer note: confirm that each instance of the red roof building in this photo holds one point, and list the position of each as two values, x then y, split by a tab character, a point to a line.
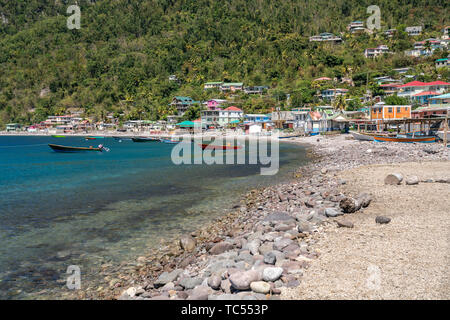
412	89
232	108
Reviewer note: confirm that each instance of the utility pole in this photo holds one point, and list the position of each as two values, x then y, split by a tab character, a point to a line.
446	128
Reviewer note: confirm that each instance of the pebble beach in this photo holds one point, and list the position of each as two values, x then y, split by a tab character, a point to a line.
276	243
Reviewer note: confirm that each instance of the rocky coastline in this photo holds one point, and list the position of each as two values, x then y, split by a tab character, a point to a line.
263	246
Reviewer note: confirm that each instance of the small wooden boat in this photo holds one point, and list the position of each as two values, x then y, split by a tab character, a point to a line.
216	147
94	138
314	133
144	139
361	136
405	140
169	141
56	136
59	148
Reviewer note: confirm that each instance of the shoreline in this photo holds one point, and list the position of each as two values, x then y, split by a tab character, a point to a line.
207	263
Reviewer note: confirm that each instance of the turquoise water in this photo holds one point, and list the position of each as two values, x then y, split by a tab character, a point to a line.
88	209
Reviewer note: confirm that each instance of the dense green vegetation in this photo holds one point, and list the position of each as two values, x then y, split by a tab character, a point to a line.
121	58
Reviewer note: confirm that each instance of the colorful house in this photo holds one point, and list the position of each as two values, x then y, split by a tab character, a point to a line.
387	112
423	97
442	101
257	118
214	104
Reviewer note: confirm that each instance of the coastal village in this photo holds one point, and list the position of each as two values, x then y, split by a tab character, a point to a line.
331	112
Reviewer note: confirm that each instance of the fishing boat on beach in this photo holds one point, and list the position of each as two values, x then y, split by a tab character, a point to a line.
361	136
59	148
405	139
145	139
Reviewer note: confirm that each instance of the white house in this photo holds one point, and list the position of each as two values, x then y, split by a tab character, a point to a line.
331	94
414	31
375	52
221	118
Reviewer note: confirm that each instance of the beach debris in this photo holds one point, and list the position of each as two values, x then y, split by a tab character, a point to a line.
393	179
382	220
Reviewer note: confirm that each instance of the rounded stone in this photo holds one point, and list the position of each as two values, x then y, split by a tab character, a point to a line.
260	287
272	274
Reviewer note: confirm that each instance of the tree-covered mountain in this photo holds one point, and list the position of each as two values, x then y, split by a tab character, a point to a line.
121	58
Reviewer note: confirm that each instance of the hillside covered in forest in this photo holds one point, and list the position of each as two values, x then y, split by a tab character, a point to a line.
121	58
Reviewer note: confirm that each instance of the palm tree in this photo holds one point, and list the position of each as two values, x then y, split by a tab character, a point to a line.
339	104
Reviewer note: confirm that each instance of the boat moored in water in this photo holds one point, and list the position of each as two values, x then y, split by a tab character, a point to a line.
218	147
169	141
59	148
145	139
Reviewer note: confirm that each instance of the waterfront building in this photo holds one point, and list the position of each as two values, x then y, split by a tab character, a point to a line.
380	111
